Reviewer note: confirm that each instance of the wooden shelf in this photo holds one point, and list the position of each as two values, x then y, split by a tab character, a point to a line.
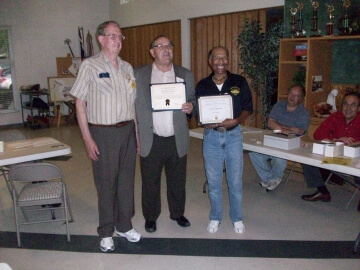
318	63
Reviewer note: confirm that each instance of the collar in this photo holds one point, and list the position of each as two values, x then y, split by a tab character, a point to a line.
155	68
107	61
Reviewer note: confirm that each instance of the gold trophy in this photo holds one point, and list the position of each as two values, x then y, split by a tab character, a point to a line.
293	11
315	32
300	32
330	25
343	25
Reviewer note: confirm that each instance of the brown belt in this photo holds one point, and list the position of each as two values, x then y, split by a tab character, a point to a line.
223	129
117	125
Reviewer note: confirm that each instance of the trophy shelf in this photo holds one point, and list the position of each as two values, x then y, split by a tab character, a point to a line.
318	64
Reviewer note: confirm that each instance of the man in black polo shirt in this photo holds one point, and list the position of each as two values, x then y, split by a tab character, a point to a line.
223	141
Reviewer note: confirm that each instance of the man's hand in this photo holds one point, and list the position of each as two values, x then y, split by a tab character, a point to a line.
187	107
227	123
92	149
346	140
296	130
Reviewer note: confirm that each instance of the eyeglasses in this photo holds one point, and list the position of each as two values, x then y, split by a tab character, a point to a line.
115	37
224	58
352	106
162	47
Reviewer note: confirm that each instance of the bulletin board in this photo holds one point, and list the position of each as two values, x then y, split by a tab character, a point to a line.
60	87
67	67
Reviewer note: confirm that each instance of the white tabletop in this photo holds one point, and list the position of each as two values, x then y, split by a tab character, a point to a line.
33	149
253	141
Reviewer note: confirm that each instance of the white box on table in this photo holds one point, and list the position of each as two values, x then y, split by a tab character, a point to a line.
334	150
352	151
282	141
318	148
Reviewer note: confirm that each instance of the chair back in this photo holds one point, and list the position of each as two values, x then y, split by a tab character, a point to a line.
35	172
38	184
11	135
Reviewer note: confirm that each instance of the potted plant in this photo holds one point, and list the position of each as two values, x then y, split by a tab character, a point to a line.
259	56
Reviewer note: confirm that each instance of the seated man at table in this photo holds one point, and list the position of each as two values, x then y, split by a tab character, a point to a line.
288	117
340	126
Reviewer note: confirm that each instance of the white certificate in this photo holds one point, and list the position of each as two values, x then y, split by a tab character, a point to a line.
215	109
167	96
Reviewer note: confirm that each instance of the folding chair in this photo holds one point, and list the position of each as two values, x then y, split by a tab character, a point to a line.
30	196
356	245
288	175
348	179
10	135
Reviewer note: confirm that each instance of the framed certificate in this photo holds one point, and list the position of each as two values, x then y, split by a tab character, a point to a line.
167	96
215	109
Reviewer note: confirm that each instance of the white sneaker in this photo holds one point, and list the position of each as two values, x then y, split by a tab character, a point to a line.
239	227
265	184
274	183
213	226
131	236
107	244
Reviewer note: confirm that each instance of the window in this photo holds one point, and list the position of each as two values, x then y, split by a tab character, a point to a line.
6	67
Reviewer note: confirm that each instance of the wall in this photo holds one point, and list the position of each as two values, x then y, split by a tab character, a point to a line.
142	12
39	28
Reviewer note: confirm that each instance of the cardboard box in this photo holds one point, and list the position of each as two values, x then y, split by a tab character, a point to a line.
319	148
352	151
282	141
334	150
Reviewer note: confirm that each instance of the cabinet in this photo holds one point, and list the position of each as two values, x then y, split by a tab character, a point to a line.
37	114
319	62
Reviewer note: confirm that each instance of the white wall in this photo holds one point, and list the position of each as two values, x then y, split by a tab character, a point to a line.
39	28
142	12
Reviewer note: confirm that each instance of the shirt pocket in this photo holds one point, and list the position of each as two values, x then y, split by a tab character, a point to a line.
103	86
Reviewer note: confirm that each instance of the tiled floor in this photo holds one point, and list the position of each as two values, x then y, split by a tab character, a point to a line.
278	215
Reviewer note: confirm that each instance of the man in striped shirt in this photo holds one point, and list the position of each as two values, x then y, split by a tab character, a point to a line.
105	94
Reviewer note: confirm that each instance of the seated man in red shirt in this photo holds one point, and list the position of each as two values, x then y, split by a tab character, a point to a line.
343	126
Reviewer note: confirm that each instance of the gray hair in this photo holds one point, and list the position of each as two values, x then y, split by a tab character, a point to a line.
100	31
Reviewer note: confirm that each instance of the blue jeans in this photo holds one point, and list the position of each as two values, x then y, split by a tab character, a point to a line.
265	170
220	147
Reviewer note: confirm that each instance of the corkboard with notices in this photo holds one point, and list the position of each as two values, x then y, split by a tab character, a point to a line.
67	67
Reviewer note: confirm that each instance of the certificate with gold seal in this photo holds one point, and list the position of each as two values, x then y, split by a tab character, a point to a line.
167	96
215	109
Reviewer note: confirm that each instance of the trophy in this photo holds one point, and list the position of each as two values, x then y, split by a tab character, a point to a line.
293	11
330	25
300	32
343	25
315	32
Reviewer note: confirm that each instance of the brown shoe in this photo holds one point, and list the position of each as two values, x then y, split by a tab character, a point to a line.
317	196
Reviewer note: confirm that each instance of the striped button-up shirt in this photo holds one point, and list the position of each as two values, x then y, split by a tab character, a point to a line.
109	93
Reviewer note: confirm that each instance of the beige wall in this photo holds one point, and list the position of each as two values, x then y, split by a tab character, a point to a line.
39	28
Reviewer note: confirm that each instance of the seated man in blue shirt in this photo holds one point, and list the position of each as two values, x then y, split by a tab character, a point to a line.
290	117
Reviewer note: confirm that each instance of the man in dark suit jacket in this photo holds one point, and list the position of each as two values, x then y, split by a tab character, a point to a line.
164	135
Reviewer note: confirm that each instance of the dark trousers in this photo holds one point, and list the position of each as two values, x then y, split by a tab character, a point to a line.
114	174
163	154
312	176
